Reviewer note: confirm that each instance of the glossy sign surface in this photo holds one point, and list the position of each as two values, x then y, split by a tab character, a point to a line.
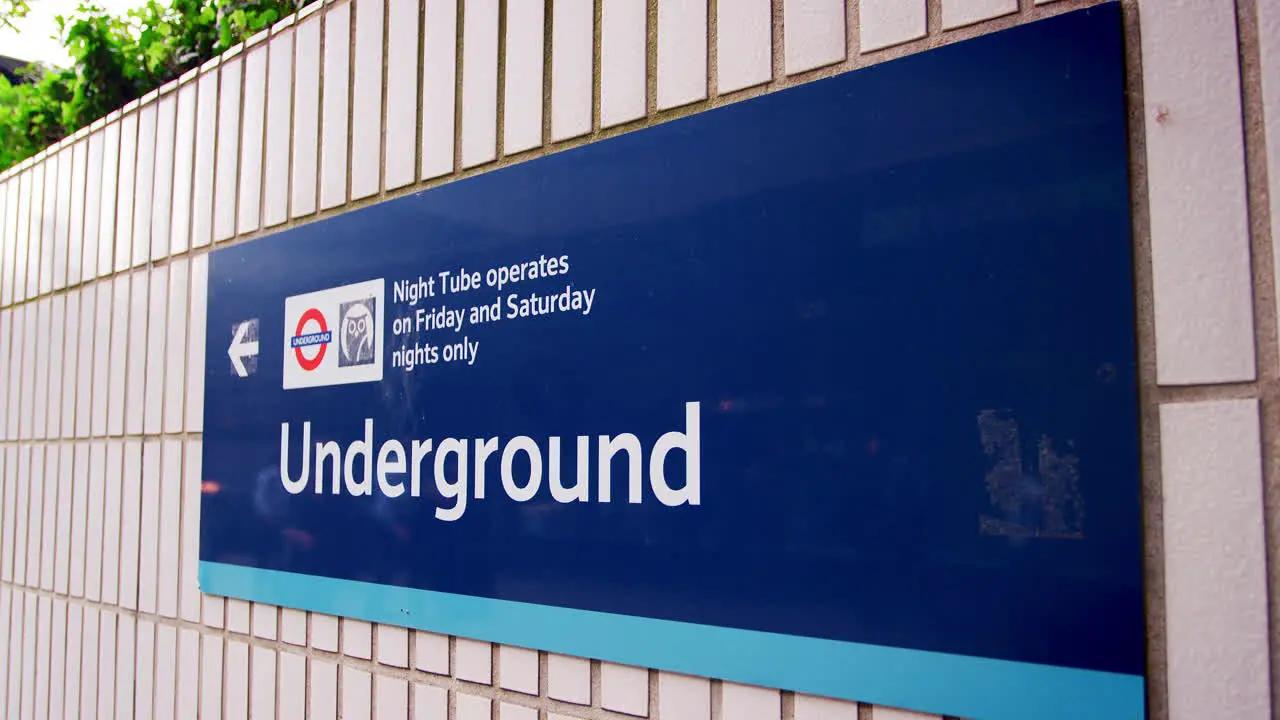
830	390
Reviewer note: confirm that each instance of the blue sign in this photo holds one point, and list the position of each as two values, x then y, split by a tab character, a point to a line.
831	390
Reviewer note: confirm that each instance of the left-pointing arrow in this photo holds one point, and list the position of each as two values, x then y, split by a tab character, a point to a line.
244	346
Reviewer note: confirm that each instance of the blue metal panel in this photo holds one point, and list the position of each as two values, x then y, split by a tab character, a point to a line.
889	316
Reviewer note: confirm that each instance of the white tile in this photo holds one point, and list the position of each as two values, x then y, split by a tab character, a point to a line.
1215	560
75	211
324	632
188	701
262	703
683	697
402	93
13	682
239	614
175	363
522	88
162	202
79	480
73	354
306	115
957	13
184	149
393	646
744	44
1269	51
169	486
228	150
431	652
89	667
357	638
293	626
108	664
10	247
251	131
517	712
392	698
30	327
6	638
470	707
35	517
623	42
44	615
205	159
877	712
439	68
113	177
682	52
136	367
357	694
812	33
48	523
473	661
144	185
57	330
366	98
1196	185
72	660
569	679
188	561
94	382
125	189
62	219
20	516
23	236
57	660
95	521
265	620
479	82
36	402
882	23
118	348
95	181
235	700
67	481
430	702
624	688
48	249
144	671
275	191
130	518
6	344
196	342
213	611
211	677
572	34
149	537
323	691
747	702
518	669
10	502
157	322
12	371
293	687
166	672
333	119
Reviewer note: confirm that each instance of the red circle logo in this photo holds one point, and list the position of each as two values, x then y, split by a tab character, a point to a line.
321	340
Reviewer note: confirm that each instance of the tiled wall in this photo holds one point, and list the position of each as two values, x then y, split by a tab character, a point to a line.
102	338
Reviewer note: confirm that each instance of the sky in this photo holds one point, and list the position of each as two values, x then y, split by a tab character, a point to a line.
34	41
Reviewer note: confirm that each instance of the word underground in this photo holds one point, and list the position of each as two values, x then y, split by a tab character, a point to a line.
393	461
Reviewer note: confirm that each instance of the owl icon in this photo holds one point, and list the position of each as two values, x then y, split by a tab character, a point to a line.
357	332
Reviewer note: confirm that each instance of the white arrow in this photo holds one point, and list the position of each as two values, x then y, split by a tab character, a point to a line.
241	349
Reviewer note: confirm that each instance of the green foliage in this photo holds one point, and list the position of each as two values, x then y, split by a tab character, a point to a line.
118	59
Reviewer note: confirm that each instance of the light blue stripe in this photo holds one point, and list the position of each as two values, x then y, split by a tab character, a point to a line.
970	687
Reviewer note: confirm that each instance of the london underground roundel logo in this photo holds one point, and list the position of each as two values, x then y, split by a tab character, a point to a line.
311	335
